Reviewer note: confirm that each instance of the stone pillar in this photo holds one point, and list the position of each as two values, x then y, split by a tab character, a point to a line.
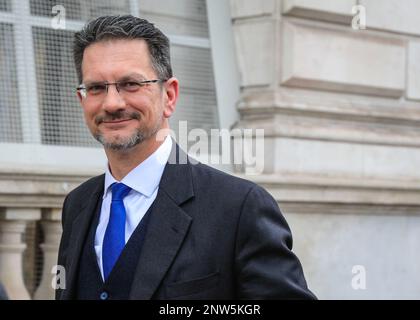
51	225
12	228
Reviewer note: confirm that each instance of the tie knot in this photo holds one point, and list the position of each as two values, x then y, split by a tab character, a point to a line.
119	191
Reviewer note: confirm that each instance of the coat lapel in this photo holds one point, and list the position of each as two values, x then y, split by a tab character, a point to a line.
167	228
80	228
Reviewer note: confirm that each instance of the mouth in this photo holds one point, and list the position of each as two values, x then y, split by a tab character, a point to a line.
117	121
116	118
116	124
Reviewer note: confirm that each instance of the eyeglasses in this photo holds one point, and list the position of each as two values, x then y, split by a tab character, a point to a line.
99	90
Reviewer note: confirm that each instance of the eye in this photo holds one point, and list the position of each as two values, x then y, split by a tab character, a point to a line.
130	85
96	88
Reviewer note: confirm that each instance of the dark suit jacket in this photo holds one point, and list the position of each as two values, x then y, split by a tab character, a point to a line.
210	236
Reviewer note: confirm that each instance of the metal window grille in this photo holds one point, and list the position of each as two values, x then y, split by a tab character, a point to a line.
197	101
181	17
10	129
60	118
60	113
80	9
5	5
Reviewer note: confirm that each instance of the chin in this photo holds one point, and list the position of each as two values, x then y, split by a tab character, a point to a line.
120	142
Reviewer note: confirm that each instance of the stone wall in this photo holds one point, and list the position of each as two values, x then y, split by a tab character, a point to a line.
341	113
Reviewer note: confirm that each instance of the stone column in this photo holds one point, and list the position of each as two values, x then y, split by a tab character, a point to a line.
12	228
51	225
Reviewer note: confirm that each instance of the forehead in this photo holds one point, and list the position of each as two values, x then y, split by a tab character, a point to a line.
113	59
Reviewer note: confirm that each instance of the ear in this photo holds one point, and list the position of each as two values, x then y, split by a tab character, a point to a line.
171	96
79	96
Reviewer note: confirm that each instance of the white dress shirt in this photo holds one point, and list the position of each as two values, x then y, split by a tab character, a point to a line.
144	181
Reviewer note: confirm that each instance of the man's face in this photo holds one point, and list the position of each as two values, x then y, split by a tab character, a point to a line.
121	120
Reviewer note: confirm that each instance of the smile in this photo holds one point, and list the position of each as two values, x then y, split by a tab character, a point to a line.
117	121
115	124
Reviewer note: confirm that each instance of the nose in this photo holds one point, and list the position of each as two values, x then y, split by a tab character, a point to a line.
113	100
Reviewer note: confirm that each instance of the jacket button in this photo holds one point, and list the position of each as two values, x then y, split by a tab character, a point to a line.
104	295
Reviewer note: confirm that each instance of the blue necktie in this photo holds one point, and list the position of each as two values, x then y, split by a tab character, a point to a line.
114	239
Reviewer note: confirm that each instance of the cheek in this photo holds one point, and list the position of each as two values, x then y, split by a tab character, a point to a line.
146	106
89	114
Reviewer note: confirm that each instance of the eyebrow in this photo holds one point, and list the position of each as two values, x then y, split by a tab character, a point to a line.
134	75
130	76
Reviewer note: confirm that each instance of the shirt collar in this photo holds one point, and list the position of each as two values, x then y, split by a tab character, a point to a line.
146	176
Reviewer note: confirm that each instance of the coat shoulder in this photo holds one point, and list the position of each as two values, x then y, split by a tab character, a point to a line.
85	189
209	178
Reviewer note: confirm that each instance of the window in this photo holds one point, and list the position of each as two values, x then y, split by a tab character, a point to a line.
192	63
60	113
10	130
197	101
80	9
181	17
37	97
5	5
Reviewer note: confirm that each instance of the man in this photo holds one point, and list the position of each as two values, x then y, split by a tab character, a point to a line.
150	227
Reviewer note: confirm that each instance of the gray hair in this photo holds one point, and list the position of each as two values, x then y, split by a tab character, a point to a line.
124	27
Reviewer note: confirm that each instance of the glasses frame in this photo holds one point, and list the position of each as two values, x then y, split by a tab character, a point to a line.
83	89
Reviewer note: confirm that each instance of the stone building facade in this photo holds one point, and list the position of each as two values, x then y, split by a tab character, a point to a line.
341	112
340	107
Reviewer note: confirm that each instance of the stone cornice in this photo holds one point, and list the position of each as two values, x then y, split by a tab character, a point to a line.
340	190
350	209
43	191
331	105
338	118
37	190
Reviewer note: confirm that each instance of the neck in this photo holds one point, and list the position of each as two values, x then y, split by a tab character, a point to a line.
121	162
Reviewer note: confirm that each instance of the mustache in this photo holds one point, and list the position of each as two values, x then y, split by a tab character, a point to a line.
118	115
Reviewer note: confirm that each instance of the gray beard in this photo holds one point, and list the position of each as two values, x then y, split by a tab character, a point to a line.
138	137
126	144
